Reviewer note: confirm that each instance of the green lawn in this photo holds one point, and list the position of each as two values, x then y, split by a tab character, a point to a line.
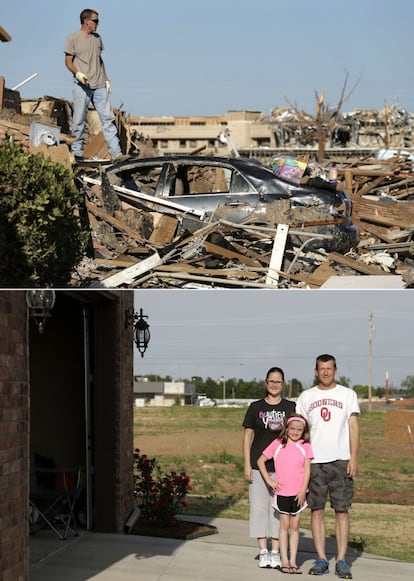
382	517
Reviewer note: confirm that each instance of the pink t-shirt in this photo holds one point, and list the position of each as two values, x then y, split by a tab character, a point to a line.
289	464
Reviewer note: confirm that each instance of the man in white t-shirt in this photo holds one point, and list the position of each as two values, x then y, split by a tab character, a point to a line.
332	412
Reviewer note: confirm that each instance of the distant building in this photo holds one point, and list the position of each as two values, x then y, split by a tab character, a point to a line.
250	133
191	134
163	393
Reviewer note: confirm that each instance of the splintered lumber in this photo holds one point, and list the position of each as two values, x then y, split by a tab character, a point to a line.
114	221
277	254
226	253
387	214
219	272
4	35
217	282
16	128
163	230
322	273
57	153
356	264
127	275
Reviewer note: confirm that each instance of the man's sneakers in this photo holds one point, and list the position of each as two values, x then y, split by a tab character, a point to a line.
319	567
269	560
343	570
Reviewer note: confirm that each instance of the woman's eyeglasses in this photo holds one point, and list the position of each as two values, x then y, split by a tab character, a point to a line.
273	382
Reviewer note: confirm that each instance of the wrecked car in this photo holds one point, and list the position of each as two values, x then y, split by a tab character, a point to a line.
236	190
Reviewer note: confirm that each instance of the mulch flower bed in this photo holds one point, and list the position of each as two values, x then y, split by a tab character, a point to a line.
183	529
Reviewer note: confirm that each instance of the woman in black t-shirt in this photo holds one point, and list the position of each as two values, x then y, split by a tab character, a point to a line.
263	423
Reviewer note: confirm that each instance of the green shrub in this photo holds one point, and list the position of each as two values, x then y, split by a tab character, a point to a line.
41	238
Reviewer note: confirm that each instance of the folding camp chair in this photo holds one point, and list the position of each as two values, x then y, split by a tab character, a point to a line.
52	501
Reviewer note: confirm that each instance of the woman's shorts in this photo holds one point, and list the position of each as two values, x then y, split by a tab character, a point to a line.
329	479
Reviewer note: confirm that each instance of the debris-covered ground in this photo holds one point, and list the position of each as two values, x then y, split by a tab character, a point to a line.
136	246
137	243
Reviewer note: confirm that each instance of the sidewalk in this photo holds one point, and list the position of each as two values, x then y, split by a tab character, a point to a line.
226	556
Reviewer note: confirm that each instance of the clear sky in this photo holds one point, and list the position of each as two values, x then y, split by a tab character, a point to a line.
188	57
242	333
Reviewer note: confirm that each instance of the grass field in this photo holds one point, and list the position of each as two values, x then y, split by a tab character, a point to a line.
206	443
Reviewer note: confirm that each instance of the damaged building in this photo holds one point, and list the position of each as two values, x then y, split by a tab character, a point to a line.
252	132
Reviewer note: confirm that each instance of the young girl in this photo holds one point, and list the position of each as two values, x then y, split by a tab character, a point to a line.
292	455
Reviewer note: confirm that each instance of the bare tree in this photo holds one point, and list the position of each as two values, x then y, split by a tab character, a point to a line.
326	117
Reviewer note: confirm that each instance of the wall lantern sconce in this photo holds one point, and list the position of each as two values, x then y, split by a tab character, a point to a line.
40	303
141	329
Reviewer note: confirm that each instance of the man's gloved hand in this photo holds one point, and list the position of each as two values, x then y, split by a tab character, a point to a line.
82	78
108	87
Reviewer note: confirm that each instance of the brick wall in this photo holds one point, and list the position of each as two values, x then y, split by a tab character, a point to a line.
124	414
14	437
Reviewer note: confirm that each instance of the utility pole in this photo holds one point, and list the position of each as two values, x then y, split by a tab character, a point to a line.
371	328
387	389
224	387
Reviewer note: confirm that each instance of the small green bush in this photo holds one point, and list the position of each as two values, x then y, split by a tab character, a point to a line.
41	238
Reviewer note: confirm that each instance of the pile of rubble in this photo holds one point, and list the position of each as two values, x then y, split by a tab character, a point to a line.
136	247
132	246
364	128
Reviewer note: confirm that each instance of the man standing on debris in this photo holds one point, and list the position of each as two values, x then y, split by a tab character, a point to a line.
91	85
332	411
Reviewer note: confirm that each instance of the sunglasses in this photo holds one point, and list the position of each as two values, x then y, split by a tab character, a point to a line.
94	20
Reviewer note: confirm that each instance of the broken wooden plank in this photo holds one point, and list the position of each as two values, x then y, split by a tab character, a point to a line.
57	153
23	129
114	262
387	234
211	281
127	276
223	272
4	35
231	254
164	228
348	181
121	226
356	264
400	247
278	251
399	214
321	274
369	186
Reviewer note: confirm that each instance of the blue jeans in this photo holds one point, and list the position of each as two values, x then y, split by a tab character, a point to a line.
83	96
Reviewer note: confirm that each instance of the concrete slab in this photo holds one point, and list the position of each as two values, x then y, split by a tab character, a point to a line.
226	556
